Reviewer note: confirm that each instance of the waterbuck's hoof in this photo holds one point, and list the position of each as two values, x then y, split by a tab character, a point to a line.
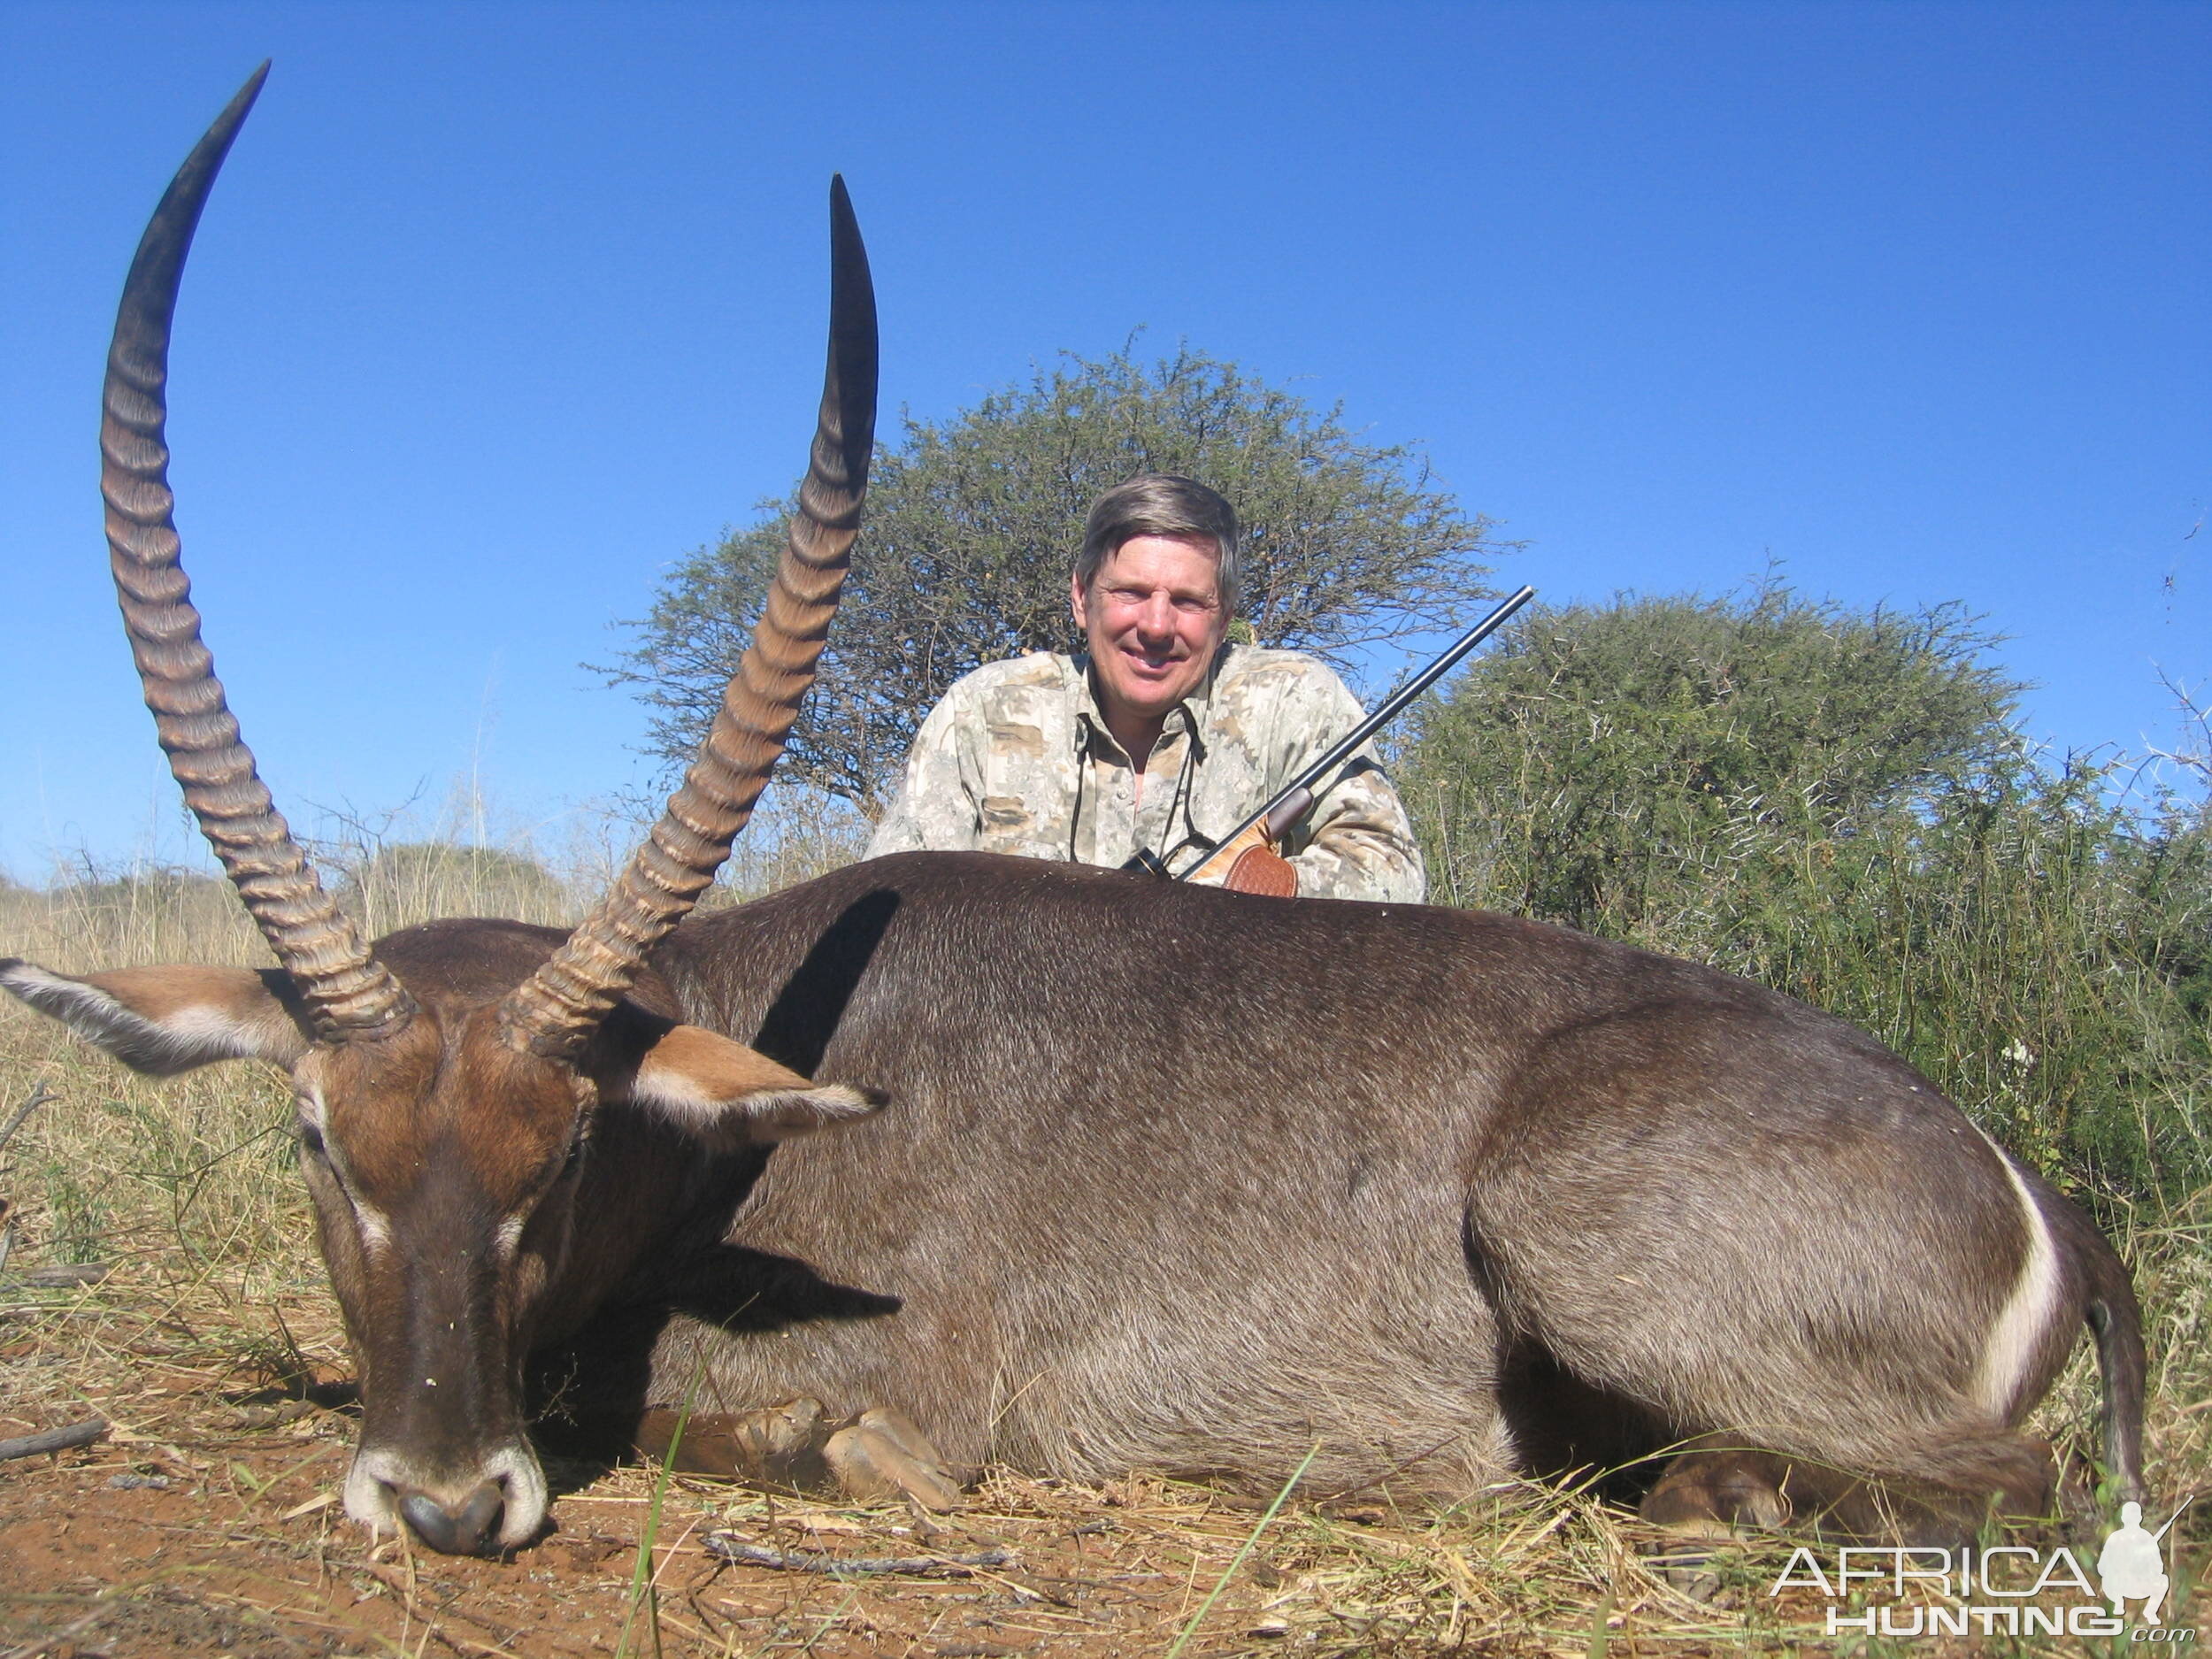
775	1446
881	1455
1717	1494
1691	1568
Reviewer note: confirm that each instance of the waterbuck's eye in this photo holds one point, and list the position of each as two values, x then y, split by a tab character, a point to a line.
310	1141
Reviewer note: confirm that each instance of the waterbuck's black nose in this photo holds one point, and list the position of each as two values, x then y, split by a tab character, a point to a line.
459	1531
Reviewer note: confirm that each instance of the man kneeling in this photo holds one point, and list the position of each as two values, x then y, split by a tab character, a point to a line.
1163	737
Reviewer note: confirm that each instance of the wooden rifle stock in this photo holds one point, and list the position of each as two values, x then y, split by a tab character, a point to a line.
1274	820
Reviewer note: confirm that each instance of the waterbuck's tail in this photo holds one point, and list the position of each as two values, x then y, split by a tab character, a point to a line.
2112	1313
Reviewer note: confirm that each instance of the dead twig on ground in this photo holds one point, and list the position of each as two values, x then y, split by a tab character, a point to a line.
728	1547
63	1275
66	1634
40	1096
53	1440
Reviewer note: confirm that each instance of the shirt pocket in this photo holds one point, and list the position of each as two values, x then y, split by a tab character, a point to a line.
1023	787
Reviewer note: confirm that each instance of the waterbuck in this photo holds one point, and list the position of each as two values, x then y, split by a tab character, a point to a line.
1124	1173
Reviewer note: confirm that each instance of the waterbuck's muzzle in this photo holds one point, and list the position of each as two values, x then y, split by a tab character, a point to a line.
439	1287
502	1507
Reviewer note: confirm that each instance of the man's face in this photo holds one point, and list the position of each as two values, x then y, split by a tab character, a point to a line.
1154	618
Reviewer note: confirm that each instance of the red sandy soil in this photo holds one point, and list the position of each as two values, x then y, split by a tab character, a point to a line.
212	1526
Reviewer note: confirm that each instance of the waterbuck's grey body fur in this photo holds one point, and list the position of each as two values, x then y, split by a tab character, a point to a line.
1183	1180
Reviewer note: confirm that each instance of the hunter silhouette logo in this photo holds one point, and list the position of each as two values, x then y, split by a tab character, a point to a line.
2130	1564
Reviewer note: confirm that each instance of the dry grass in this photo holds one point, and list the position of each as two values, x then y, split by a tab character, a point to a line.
213	1333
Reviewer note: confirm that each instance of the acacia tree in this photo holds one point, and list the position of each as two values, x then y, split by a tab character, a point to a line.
972	523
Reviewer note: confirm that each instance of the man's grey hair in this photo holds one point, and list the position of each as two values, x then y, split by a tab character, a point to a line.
1160	503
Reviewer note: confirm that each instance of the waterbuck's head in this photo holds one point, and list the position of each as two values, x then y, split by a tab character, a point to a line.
447	1081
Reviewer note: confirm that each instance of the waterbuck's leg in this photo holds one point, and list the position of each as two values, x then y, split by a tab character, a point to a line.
1766	1229
777	1446
1719	1491
1715	1487
879	1454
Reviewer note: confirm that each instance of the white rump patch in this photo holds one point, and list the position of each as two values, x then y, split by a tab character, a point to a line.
2026	1316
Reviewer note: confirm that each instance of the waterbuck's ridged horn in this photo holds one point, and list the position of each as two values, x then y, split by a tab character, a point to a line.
562	1003
350	993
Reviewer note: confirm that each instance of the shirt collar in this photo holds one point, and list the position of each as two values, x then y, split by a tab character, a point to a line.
1091	719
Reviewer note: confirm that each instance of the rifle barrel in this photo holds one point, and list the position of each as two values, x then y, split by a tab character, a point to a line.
1390	709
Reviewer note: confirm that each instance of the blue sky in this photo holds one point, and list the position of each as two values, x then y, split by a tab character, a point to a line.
499	309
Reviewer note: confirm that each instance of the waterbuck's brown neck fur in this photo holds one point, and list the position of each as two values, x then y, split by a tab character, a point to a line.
1168	1177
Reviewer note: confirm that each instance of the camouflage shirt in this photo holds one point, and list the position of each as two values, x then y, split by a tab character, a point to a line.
1016	759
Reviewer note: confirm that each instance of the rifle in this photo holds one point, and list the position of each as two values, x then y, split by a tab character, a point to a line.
2170	1519
1296	799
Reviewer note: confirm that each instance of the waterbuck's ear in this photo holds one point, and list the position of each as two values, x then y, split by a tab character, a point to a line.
167	1020
723	1091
